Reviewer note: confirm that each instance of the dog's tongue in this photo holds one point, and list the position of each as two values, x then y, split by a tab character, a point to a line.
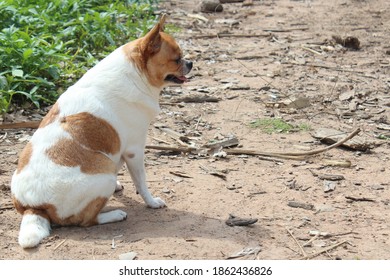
183	78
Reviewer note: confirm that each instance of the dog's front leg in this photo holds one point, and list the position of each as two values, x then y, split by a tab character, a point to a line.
135	164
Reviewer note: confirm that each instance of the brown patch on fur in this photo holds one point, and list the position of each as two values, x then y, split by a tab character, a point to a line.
39	212
130	155
155	55
18	206
92	132
51	116
24	157
164	61
71	153
133	54
87	217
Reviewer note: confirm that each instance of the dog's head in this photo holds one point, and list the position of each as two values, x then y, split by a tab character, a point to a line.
160	58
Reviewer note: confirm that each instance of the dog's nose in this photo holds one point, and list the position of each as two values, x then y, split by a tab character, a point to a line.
189	64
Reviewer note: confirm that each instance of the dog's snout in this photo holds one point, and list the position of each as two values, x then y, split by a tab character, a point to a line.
188	64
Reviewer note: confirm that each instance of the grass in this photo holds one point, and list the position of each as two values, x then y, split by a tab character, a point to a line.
45	46
277	125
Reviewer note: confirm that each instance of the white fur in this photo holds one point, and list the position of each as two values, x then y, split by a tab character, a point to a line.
32	230
117	92
112	216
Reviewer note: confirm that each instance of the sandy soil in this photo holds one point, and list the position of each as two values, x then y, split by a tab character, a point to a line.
266	55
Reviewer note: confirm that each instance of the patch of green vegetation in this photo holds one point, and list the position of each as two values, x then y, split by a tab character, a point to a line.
277	125
304	127
383	137
172	29
45	46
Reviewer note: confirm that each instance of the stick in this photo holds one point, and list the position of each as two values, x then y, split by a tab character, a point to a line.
287	155
170	148
359	198
311	240
8	207
324	250
286	30
296	241
33	124
311	50
297	155
62	242
222	35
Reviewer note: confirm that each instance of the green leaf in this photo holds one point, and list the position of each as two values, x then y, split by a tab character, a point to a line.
17	73
27	53
3	82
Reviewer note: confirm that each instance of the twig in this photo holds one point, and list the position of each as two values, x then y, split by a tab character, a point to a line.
296	241
286	155
196	99
213	172
311	240
33	124
222	35
161	141
250	57
62	242
7	207
311	50
170	148
296	155
324	250
359	198
285	30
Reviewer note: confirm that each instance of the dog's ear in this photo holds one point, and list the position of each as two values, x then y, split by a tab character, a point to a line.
152	40
162	22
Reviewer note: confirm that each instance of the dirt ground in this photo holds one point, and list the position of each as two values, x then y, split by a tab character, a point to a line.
265	56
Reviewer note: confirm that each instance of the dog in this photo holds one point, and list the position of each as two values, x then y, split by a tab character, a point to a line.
68	171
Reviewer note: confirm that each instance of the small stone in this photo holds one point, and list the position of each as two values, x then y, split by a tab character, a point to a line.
329	186
166	190
208	6
377	187
128	256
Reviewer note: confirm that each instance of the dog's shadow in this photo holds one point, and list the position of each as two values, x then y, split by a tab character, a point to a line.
146	223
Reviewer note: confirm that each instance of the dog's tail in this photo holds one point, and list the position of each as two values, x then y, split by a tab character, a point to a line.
33	229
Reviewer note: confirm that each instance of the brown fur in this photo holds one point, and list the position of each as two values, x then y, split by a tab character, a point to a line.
92	132
24	157
87	217
51	116
68	152
155	49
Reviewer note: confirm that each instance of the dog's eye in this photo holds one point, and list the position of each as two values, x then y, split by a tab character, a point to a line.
178	61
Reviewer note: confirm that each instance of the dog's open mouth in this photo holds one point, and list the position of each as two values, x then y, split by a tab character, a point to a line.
176	79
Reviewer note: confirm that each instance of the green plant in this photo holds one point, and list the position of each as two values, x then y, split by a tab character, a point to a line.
277	125
46	45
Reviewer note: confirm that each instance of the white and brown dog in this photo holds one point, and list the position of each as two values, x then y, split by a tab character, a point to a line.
68	170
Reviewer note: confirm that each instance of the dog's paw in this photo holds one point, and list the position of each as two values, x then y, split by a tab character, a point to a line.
112	216
119	215
156	202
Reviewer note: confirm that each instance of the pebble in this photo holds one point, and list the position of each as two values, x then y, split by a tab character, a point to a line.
208	6
128	256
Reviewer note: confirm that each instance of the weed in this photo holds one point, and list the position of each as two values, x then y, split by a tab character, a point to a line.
383	137
46	45
277	125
